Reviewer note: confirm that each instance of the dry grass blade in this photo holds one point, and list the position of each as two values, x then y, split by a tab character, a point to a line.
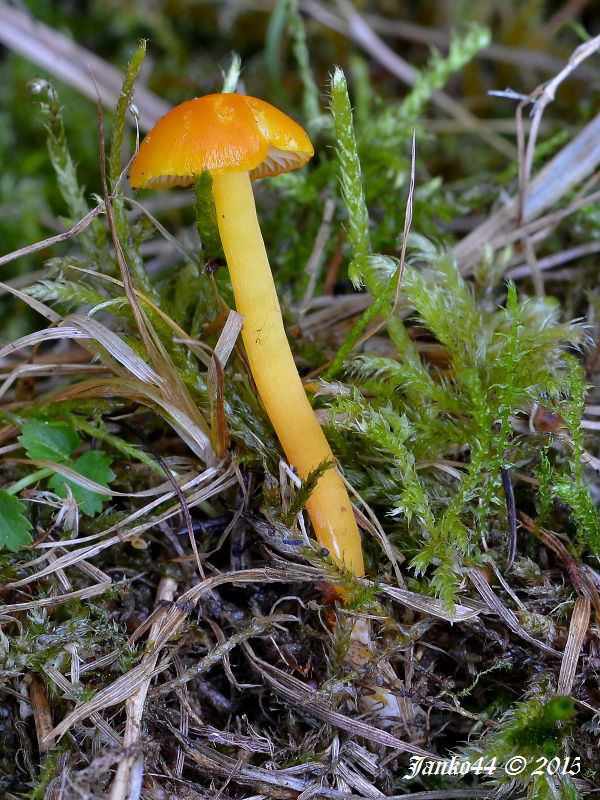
47	371
578	628
370	523
93	571
511	513
117	348
555	260
270	783
60	574
298	694
118	692
570	166
222	483
168	391
581	582
71	475
215	379
366	38
417	602
50	602
335	310
39	337
140	296
68	688
41	308
192	429
23	281
495	604
541	225
354	780
259	626
193	434
185	485
447	794
313	265
228	338
176	403
122	784
121	689
72	63
427	605
540	98
525	57
174	393
189	255
13	286
44	243
250	743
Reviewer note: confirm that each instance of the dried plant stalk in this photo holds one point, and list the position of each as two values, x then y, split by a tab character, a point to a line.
135	704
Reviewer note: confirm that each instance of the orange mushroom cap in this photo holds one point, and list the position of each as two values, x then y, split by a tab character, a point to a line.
219	133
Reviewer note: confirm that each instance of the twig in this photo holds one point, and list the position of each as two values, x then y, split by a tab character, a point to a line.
42	715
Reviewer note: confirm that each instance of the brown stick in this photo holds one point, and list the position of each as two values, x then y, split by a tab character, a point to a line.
42	715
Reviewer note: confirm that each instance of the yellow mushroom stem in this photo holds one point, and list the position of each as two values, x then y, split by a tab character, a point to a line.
274	370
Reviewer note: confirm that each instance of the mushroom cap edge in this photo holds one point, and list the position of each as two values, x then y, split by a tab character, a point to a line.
219	133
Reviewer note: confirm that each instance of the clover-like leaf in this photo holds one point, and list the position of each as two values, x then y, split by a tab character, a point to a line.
15	528
94	465
49	441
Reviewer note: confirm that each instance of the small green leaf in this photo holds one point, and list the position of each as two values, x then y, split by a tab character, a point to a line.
305	491
15	528
51	441
94	465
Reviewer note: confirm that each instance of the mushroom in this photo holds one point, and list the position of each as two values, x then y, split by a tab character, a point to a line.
237	138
